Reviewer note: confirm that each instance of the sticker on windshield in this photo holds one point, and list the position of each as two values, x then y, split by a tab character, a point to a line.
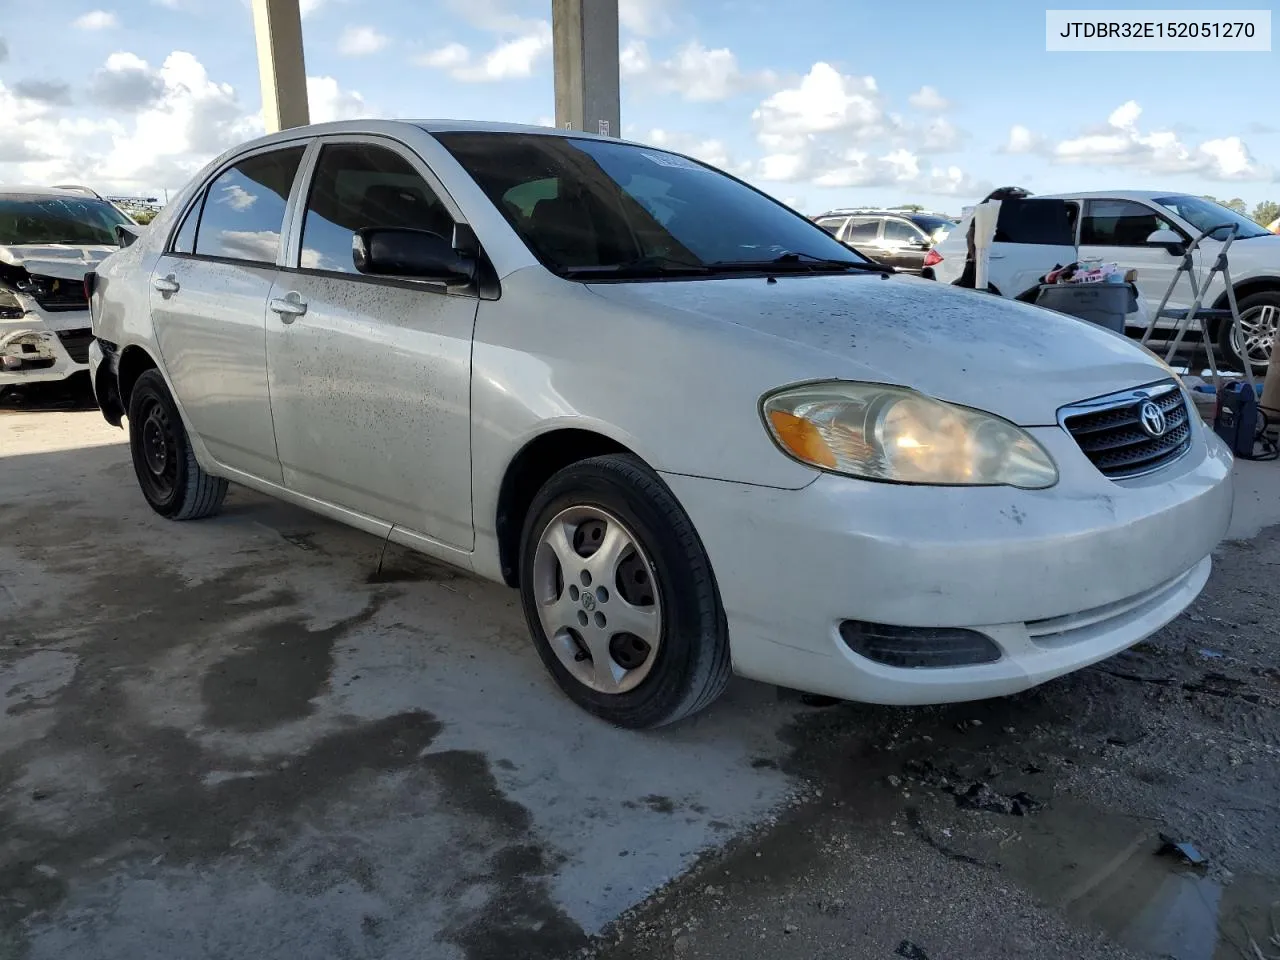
671	160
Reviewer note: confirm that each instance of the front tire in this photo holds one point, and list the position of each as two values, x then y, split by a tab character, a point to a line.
1259	314
172	482
619	595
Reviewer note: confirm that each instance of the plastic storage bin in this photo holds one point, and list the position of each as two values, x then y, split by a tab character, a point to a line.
1106	304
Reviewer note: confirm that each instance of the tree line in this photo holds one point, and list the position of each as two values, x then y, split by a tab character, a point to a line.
1264	213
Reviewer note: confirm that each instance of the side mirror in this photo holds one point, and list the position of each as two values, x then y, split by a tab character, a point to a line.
416	254
126	233
1168	239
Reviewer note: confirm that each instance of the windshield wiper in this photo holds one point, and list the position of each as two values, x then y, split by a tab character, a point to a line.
801	261
657	266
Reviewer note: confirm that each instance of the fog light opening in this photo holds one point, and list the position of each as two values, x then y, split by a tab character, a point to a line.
918	647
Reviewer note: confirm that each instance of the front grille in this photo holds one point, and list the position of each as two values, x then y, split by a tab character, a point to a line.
1110	430
62	301
56	295
76	343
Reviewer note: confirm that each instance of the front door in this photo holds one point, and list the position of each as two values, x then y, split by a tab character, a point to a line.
1116	231
903	245
208	297
370	376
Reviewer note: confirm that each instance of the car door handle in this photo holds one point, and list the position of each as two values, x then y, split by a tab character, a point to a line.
290	307
167	284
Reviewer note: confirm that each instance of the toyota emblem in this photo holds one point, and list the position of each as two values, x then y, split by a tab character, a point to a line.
1153	419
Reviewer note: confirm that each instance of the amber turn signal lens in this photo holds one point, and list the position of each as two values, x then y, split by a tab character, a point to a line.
802	439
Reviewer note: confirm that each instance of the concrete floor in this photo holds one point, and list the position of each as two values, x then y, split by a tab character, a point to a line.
230	739
227	719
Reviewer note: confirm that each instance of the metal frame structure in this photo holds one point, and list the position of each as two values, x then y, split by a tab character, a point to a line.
585	38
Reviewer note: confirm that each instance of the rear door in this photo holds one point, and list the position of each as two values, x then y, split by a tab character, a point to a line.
863	234
370	376
208	297
904	245
1032	237
1117	230
833	225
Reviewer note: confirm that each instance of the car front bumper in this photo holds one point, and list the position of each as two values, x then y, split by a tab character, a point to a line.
1057	578
35	350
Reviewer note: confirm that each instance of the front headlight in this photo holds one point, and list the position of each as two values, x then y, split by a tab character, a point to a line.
879	432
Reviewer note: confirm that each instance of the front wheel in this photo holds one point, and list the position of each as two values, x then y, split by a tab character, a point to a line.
1259	315
619	595
173	483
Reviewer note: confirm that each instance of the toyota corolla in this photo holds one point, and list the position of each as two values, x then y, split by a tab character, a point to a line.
695	431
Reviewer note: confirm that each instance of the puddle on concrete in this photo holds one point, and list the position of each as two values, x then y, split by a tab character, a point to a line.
1107	872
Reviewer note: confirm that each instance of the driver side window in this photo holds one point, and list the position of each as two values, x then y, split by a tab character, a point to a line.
1119	223
358	185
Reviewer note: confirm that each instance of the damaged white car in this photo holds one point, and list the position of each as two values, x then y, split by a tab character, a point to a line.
49	239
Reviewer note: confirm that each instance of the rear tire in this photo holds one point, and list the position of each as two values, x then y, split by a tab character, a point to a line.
606	546
172	482
1259	313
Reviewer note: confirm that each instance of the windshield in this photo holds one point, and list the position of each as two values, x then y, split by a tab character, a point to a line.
593	206
1203	214
71	220
935	227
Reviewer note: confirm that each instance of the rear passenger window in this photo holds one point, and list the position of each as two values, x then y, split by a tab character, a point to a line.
862	231
357	185
184	241
244	208
832	225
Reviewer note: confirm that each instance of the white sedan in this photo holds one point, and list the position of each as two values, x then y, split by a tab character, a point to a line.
694	430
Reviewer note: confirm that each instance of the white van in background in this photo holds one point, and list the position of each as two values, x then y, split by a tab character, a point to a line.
1117	226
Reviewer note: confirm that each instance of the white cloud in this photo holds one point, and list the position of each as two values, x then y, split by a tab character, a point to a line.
328	101
448	57
939	135
644	17
833	130
96	20
509	60
1123	144
1022	140
928	98
308	7
824	102
494	16
361	41
173	120
695	72
126	83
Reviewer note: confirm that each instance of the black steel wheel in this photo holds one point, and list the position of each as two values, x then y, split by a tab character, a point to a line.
172	482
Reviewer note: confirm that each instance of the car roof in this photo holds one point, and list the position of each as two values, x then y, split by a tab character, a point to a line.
30	192
876	212
1109	195
429	126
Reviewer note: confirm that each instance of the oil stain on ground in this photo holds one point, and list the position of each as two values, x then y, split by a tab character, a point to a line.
276	675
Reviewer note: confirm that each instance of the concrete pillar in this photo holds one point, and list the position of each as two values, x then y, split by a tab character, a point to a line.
585	33
281	67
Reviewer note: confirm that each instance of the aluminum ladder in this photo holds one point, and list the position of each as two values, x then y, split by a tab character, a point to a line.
1197	311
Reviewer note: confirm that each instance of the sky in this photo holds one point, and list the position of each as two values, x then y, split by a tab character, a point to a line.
822	103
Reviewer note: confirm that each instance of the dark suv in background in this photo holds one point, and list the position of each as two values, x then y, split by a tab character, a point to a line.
897	238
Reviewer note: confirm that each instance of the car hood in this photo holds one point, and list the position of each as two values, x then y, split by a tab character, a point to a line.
64	261
1265	250
1017	361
